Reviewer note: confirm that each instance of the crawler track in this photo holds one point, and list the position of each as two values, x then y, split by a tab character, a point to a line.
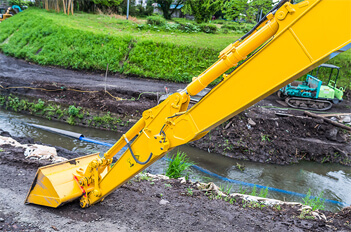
308	104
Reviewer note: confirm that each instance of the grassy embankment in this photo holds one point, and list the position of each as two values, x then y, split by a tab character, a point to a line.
87	41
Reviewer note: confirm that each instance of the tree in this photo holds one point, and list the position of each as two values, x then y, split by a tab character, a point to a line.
233	8
203	10
255	6
108	3
166	7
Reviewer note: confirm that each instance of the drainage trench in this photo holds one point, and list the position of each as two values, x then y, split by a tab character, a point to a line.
333	179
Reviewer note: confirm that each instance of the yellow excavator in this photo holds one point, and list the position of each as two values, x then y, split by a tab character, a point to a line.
8	14
290	41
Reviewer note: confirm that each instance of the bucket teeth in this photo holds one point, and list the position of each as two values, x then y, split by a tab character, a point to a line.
55	185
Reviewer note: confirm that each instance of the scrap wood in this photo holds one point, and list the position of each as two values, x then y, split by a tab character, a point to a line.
328	120
288	115
335	115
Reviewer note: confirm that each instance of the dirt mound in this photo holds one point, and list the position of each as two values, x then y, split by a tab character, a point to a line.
260	135
12	154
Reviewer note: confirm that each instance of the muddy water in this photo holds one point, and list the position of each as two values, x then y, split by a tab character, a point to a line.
333	179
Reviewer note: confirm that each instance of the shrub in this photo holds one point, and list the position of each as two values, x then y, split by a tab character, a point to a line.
239	28
178	165
218	21
156	20
208	28
39	106
188	27
73	111
232	26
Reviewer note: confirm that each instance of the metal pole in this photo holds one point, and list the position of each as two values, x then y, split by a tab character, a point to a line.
127	9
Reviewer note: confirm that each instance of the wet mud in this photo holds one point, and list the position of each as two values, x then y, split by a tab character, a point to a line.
259	134
144	204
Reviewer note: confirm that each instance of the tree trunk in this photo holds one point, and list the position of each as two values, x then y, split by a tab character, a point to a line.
64	6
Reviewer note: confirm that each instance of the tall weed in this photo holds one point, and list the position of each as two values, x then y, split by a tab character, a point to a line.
179	165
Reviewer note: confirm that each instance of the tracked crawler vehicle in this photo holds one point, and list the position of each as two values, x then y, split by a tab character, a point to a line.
311	94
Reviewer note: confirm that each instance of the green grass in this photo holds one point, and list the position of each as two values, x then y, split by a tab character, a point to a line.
90	42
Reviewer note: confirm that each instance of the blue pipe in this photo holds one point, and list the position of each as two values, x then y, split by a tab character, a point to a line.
95	141
225	178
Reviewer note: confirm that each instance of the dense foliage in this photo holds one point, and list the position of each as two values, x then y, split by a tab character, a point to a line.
249	10
202	10
20	3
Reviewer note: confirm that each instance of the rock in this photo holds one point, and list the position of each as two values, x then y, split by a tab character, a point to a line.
331	134
334	119
251	122
346	119
163	202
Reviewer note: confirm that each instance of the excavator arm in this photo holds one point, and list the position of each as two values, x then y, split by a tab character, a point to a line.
289	42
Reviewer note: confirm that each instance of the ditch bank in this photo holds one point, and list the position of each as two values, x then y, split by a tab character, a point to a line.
258	134
158	204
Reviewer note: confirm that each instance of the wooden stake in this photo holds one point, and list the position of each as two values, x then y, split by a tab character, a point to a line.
106	77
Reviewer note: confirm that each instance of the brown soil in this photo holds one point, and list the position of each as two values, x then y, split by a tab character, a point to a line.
136	206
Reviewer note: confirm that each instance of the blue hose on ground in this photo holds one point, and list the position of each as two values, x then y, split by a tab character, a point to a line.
225	178
97	142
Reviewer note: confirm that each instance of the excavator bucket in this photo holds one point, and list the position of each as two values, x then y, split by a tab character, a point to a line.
55	184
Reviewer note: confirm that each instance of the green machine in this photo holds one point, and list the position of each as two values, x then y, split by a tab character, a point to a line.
311	94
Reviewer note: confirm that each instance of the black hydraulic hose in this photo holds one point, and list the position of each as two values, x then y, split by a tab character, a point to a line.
256	26
134	157
264	18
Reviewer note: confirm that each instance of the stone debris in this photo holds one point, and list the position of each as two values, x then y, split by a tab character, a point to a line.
251	122
156	177
345	119
34	151
163	202
206	187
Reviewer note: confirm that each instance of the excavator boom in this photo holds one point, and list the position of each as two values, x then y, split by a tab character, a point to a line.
290	41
